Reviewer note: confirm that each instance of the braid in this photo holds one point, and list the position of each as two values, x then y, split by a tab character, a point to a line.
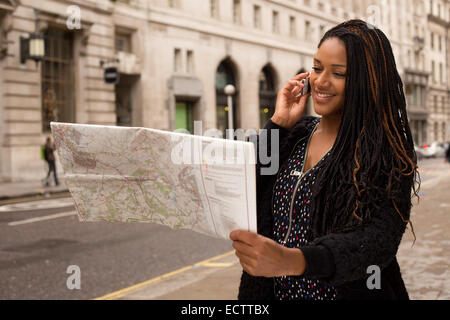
374	136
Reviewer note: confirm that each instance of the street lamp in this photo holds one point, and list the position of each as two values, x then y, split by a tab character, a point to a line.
230	90
32	48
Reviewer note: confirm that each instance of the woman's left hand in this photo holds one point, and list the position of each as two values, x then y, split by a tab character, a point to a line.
263	257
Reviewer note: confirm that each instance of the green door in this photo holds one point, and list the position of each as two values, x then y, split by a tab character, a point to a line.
183	116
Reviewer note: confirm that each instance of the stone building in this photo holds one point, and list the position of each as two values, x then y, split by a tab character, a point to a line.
438	26
174	58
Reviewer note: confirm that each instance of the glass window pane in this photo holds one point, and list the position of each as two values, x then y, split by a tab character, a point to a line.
57	78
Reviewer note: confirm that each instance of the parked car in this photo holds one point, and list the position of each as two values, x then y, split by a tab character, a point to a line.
433	150
418	152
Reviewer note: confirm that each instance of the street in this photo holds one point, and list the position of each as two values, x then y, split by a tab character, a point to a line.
39	240
35	255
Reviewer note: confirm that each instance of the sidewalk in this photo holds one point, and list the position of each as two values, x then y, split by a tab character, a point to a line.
17	190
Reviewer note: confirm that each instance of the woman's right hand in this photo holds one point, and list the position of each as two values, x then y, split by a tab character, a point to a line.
289	109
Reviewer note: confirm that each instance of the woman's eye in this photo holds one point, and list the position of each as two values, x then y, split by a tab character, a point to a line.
338	74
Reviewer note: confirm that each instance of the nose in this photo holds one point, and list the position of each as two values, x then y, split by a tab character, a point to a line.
322	80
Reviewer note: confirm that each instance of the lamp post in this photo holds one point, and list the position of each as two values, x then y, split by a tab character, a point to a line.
230	90
32	48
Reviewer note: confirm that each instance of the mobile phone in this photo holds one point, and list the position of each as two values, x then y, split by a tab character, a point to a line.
306	89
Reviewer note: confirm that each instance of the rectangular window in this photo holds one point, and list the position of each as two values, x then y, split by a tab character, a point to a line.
275	22
441	73
432	40
416	97
214	9
307	30
433	73
423	103
123	42
322	31
177	60
292	26
321	7
257	17
190	61
237	11
57	78
334	11
409	89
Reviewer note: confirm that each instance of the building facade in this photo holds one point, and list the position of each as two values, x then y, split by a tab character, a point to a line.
175	57
438	17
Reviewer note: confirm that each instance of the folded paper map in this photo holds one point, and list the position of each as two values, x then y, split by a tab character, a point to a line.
182	181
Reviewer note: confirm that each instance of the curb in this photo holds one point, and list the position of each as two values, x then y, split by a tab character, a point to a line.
196	282
34	194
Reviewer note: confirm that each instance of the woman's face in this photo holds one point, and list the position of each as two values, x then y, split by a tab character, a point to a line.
328	77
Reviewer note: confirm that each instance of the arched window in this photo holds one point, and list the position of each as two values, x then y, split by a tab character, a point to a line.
224	76
267	95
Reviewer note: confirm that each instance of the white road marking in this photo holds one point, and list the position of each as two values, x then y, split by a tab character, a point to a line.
38	205
38	219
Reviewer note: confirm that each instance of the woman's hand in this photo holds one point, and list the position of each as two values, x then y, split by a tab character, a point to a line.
263	257
289	109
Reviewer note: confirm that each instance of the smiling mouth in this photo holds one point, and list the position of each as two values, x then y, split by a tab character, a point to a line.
324	95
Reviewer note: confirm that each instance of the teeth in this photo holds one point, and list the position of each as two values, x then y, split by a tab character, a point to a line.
321	95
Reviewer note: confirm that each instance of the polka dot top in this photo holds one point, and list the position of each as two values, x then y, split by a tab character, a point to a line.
292	222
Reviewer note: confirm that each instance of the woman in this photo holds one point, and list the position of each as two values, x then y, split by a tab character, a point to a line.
340	202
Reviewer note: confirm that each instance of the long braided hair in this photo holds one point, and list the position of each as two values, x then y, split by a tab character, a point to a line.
374	137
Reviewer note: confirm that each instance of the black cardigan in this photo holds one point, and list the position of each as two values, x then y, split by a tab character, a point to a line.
339	259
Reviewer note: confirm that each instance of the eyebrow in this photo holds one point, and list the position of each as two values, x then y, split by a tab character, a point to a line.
333	65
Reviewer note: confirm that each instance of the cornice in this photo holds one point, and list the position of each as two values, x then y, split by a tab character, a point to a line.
438	20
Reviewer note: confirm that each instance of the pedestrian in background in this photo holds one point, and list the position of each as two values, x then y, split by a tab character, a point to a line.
339	204
50	159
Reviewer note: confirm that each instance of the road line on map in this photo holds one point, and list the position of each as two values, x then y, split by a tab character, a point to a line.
38	219
120	293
